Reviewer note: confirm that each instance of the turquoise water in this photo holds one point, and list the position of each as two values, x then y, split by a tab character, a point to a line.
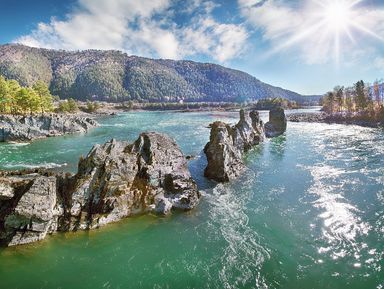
308	213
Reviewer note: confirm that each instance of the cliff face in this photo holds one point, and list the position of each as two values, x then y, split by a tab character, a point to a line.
114	181
26	128
115	76
227	145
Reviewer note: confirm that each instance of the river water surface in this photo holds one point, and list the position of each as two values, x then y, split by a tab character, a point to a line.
308	213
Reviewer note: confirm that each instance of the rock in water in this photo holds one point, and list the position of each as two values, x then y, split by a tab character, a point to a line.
227	145
27	128
277	124
118	179
31	211
114	181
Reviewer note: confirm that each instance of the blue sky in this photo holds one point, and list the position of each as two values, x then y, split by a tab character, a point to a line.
308	46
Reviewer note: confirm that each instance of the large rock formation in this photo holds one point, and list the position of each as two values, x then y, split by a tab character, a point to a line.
277	123
227	145
114	181
27	128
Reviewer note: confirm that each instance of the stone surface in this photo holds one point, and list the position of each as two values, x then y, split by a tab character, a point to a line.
27	128
115	180
277	123
227	145
32	212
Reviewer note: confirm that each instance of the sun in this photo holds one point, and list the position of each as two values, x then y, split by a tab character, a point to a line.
330	28
337	15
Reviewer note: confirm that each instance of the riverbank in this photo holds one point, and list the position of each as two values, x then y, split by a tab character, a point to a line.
21	128
338	118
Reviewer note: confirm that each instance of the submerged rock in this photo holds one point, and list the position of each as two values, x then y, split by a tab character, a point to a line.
114	180
277	123
27	128
227	145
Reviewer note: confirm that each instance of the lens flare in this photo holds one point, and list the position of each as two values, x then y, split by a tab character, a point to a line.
330	23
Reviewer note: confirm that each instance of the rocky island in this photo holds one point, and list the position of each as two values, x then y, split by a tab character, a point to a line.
277	123
18	128
227	144
114	180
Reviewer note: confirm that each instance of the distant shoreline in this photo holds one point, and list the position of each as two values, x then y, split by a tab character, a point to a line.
338	118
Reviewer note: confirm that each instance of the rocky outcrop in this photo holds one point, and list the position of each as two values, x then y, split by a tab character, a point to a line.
277	123
29	207
227	145
27	128
114	180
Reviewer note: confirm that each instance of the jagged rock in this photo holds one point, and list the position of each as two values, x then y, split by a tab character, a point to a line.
114	180
27	128
277	123
118	179
32	212
227	145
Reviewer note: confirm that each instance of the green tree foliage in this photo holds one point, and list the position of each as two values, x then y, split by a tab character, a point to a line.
44	95
269	103
21	100
339	97
360	97
4	95
68	106
92	106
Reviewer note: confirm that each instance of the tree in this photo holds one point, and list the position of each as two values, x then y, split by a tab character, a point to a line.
22	100
13	89
339	97
348	100
328	102
4	95
92	106
360	98
46	99
69	105
72	105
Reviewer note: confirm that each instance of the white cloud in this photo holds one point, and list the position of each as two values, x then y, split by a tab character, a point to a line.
142	27
309	30
221	41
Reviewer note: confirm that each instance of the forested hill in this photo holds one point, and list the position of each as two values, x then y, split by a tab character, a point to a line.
115	76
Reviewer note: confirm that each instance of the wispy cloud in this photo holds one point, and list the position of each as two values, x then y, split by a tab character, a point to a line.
144	27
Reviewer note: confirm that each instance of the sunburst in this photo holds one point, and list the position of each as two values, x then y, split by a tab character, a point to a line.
331	21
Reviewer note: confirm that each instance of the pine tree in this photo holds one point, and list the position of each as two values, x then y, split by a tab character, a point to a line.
360	98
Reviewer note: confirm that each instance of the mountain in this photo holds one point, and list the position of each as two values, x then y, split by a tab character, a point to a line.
116	76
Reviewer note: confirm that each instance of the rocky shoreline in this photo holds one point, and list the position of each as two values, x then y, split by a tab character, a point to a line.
114	180
18	128
323	117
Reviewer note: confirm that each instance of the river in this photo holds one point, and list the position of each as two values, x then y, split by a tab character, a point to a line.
307	213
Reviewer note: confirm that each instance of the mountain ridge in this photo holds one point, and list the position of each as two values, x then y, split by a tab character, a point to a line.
112	75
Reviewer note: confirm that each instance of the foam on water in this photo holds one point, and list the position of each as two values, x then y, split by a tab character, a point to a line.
243	256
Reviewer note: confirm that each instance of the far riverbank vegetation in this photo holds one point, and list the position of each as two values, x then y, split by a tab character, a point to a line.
361	101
